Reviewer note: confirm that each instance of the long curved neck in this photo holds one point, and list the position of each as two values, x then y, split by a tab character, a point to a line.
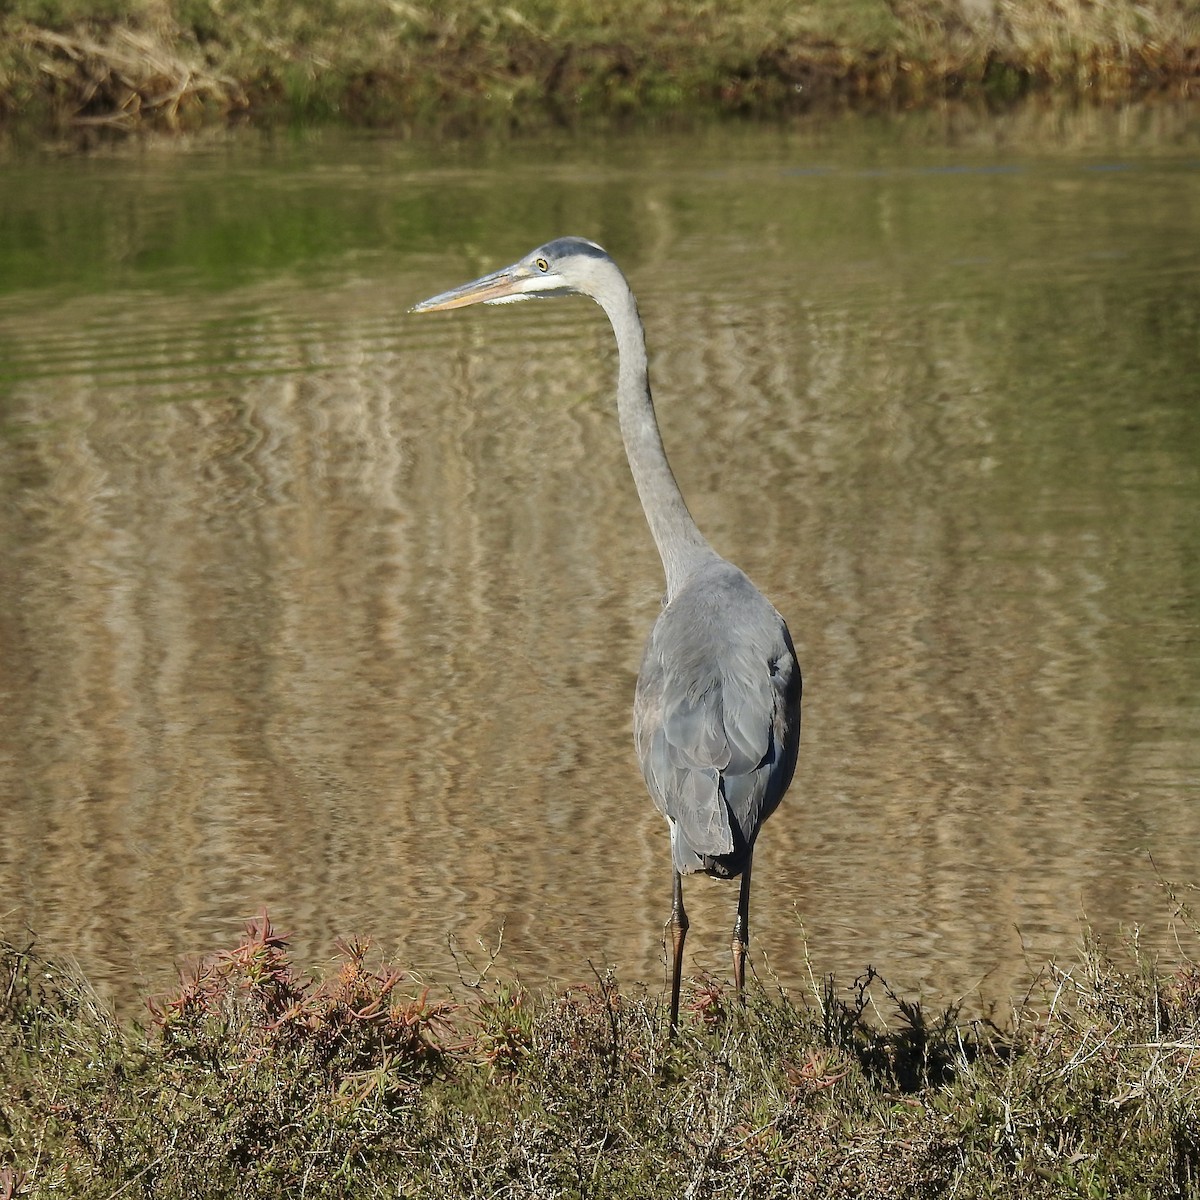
681	545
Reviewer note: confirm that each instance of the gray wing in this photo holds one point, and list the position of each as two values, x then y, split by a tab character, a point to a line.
717	718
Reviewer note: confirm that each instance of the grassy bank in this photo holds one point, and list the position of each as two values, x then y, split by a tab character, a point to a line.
251	1080
184	63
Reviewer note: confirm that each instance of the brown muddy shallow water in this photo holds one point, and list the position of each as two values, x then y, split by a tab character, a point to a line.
310	604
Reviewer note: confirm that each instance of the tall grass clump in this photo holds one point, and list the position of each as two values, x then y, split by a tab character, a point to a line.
253	1079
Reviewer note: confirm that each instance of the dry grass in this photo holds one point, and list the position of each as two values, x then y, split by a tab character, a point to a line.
179	63
122	77
252	1080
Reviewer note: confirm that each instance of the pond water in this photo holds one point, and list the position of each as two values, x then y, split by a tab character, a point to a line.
312	605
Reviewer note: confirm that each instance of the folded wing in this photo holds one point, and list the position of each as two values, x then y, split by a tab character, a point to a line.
717	718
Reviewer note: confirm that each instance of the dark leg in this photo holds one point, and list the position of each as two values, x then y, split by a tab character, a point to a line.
741	933
679	926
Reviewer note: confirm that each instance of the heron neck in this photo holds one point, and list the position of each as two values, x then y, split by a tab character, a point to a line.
681	545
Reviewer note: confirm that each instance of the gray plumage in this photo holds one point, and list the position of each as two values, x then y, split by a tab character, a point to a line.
716	717
717	707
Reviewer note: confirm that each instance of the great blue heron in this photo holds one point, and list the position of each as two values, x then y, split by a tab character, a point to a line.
716	714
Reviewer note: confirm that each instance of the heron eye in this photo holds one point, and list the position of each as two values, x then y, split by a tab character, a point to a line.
542	265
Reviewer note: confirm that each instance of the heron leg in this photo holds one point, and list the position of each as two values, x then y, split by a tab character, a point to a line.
679	926
741	933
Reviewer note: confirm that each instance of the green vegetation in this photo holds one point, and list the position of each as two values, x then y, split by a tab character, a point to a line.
180	63
254	1081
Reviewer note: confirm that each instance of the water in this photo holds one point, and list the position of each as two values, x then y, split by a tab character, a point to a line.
312	605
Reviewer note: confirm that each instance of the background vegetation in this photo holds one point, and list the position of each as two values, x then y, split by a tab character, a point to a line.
179	63
251	1080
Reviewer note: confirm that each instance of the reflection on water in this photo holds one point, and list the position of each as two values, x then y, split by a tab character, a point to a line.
309	605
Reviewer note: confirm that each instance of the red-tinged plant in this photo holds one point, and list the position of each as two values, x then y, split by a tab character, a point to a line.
250	1003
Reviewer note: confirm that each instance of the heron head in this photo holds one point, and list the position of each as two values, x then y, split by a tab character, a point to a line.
565	265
